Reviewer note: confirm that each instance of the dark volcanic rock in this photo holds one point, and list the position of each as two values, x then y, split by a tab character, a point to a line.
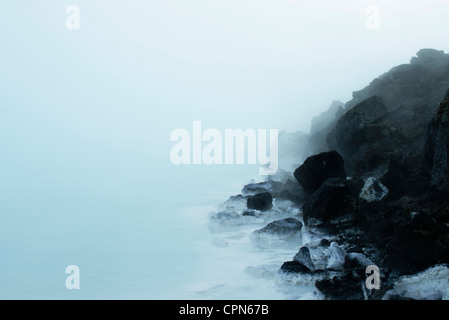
294	267
324	243
373	190
282	227
350	125
410	95
418	244
395	179
426	76
303	257
317	169
395	135
332	203
337	257
357	260
347	286
249	213
436	154
392	139
261	201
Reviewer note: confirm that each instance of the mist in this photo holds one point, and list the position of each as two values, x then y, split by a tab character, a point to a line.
86	115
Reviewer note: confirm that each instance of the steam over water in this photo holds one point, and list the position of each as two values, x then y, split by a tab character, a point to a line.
86	116
133	235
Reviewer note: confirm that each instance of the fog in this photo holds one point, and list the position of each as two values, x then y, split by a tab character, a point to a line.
86	115
162	64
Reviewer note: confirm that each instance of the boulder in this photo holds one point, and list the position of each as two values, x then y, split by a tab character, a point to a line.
284	227
332	203
346	286
373	190
336	259
318	168
294	267
303	257
261	201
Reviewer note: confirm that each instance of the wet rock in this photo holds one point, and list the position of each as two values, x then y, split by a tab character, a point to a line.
288	226
337	256
431	284
250	213
346	286
303	257
373	190
317	169
294	267
261	201
333	203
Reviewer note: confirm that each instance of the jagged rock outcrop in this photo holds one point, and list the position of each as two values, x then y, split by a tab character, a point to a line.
426	77
410	94
436	153
378	192
394	207
355	128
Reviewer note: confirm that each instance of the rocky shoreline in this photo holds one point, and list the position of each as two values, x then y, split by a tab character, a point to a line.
374	190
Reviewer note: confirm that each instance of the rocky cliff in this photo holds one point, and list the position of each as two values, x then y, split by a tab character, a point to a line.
374	190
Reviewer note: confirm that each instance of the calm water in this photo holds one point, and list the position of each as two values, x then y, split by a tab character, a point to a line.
85	175
133	233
